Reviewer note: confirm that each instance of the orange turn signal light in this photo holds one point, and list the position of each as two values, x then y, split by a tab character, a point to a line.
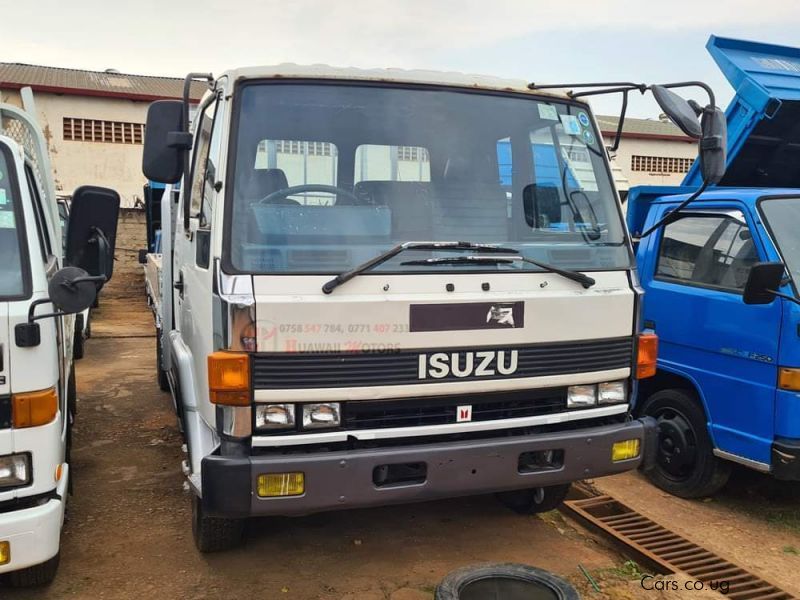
34	408
229	378
789	379
646	355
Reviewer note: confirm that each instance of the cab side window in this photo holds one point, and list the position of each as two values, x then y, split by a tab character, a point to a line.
714	251
199	204
41	222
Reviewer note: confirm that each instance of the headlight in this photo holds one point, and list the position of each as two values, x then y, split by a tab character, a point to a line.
323	414
612	393
15	470
579	396
274	416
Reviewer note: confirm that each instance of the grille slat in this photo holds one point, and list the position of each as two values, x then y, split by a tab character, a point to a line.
297	370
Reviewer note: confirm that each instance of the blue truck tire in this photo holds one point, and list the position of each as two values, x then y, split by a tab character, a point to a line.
685	462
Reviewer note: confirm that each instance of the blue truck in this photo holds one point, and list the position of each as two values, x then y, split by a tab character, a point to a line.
721	283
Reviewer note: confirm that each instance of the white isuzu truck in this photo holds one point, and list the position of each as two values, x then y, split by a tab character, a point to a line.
39	296
392	286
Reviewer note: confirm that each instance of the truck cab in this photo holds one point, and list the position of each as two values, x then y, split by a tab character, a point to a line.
726	389
39	297
392	286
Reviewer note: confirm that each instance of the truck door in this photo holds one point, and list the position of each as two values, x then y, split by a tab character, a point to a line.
192	267
696	270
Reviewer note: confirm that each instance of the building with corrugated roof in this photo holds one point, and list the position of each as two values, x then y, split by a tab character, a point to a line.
93	121
94	124
651	151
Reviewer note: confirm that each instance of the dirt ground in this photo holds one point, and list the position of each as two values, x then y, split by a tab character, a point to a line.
128	533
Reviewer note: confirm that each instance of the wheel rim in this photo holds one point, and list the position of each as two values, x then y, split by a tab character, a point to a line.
677	444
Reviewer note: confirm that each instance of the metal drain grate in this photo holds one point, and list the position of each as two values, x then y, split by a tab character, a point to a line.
669	552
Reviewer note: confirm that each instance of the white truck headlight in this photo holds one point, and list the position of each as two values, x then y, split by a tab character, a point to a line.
614	392
15	470
580	396
322	414
274	416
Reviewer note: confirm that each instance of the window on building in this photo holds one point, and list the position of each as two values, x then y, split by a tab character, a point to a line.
715	251
391	163
660	164
95	130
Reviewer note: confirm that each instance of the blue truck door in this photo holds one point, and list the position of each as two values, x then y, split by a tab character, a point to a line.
698	266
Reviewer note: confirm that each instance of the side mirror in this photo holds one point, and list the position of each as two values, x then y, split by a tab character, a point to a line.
165	142
92	231
678	110
763	282
73	290
713	145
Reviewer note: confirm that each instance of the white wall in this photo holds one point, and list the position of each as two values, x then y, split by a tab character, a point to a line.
114	165
651	147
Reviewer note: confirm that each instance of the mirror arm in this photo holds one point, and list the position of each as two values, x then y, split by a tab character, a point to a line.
711	99
788	297
673	214
39	302
618	137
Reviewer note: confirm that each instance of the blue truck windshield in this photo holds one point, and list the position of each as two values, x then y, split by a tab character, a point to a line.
782	216
328	176
11	275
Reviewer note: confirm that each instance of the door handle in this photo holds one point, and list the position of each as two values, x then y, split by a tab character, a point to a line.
179	285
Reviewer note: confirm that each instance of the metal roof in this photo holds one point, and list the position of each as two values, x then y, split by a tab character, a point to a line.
94	83
644	128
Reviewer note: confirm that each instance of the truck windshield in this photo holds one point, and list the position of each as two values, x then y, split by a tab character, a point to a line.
11	276
329	176
782	216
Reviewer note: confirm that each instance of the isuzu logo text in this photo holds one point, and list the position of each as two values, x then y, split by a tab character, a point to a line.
467	364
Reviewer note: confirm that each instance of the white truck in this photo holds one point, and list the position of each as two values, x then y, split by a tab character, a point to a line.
359	309
39	297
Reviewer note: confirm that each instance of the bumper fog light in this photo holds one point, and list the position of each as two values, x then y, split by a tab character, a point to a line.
14	470
274	485
274	416
579	396
325	414
5	553
624	450
611	393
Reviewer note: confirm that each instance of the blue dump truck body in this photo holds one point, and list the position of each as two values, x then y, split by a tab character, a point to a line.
728	385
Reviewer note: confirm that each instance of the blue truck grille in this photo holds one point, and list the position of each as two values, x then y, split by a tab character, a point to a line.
296	370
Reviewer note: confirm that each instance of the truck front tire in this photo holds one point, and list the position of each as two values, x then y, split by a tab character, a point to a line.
214	534
535	500
35	576
685	463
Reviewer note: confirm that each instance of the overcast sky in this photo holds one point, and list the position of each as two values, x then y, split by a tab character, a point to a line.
573	40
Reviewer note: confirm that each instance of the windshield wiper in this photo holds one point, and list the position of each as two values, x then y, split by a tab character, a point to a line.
331	285
584	280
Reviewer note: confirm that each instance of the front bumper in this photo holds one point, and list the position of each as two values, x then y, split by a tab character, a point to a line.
338	480
34	533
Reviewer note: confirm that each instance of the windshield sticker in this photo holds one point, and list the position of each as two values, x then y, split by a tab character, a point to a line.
6	220
588	136
571	124
549	112
583	118
3	200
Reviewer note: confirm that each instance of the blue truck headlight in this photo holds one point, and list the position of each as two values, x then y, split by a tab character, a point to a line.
614	392
321	415
579	396
15	470
275	416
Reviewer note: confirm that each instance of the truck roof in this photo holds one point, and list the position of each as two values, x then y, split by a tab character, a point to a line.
424	77
746	195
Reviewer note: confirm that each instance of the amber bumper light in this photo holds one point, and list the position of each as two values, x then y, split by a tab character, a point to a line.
229	378
34	408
